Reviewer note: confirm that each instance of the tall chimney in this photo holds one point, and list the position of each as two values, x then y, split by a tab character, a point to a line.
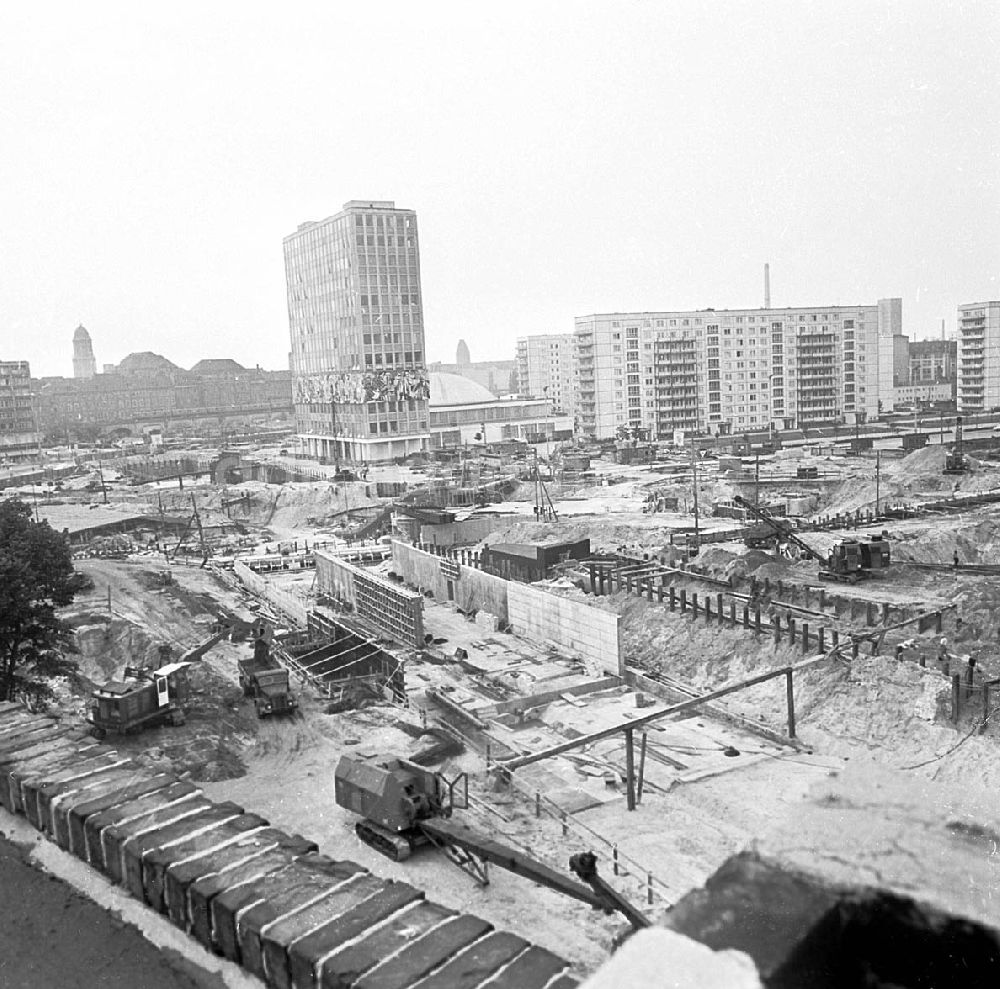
943	337
767	285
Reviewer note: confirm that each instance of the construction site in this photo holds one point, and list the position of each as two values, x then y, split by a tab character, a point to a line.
559	693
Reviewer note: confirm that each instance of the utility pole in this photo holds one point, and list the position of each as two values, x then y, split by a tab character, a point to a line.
100	468
878	477
694	469
756	479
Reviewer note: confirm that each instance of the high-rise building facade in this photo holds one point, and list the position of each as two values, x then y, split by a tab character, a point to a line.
84	364
729	370
545	368
18	431
355	315
978	356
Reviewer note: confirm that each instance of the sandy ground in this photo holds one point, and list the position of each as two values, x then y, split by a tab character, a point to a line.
700	805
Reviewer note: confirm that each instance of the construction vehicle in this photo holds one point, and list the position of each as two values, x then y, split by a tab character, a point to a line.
956	462
142	699
404	806
264	679
849	561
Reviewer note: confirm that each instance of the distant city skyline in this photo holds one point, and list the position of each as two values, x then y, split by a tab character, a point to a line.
634	158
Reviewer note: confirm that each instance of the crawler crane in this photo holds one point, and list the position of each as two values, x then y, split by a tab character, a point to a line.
849	561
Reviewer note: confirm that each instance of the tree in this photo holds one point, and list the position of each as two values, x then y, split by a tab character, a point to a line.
36	578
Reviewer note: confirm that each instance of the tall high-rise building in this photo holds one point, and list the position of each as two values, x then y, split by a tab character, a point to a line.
978	356
545	368
84	364
731	370
18	432
355	314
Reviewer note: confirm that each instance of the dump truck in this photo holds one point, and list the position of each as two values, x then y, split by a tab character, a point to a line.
264	679
143	699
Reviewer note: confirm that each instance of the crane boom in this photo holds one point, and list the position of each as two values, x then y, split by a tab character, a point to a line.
783	530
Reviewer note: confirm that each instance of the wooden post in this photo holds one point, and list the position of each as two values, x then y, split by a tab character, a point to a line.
790	697
756	621
746	617
986	703
614	859
718	601
684	600
937	623
659	593
822	639
956	695
593	580
835	636
805	637
732	613
629	769
649	589
538	804
694	603
791	630
642	768
673	598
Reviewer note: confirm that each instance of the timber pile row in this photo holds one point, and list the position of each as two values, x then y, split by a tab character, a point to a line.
262	898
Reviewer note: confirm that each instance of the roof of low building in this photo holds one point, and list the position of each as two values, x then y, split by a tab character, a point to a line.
218	365
453	389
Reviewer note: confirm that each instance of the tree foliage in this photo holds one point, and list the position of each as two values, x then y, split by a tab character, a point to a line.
36	579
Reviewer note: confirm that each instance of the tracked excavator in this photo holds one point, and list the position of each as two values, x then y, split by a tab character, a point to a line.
849	561
404	806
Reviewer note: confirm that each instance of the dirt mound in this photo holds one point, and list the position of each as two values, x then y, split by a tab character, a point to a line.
895	712
107	647
751	562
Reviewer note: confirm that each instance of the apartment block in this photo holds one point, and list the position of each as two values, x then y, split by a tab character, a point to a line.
724	371
978	357
18	431
355	316
546	369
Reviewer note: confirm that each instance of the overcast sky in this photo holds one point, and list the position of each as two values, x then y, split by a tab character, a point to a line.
563	159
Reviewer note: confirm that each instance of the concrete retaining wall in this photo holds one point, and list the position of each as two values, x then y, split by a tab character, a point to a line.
592	632
290	606
395	610
459	533
473	590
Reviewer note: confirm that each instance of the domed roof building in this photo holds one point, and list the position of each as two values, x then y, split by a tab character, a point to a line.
453	389
464	412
